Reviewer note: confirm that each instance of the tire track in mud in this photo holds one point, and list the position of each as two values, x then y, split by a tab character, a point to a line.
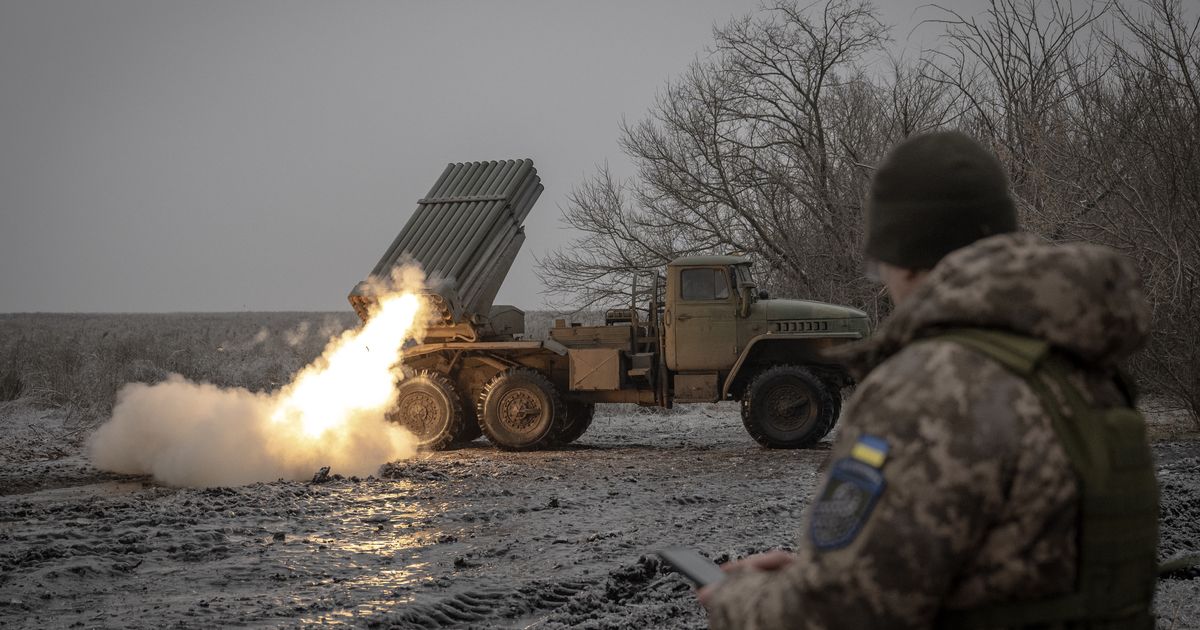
472	538
641	594
470	608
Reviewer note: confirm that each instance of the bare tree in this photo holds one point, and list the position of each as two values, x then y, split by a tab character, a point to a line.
1142	124
1097	117
767	146
764	147
618	243
1012	66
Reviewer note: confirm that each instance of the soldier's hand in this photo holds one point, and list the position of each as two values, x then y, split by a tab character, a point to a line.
769	561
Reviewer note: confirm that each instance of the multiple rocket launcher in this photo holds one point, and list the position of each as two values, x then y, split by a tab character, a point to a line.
465	235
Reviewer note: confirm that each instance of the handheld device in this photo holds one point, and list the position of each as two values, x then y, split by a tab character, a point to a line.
699	570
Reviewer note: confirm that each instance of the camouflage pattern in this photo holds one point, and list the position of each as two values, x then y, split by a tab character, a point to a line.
980	504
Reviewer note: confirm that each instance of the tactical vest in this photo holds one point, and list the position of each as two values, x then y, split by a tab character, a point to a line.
1118	499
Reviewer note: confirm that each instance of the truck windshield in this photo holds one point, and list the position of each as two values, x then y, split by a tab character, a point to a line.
704	284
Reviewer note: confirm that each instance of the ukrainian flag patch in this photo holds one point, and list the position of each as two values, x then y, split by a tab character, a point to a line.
852	489
870	450
845	503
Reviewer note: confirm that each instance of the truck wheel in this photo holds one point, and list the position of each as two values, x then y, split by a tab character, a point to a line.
578	418
837	386
471	429
787	406
428	406
835	392
520	410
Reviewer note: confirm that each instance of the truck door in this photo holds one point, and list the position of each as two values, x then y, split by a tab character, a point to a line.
700	321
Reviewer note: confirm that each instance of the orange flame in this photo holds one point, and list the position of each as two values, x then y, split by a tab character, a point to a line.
332	413
355	376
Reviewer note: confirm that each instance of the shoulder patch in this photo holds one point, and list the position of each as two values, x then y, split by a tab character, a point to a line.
870	450
845	503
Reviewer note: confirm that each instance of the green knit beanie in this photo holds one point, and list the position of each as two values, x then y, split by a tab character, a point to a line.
933	194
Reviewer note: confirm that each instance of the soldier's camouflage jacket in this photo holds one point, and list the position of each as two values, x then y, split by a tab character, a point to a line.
975	501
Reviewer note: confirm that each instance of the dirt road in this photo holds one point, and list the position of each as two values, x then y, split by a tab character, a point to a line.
467	538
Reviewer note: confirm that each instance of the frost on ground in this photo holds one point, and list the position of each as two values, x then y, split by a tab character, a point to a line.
467	538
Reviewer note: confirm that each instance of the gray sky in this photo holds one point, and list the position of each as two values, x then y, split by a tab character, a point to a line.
161	155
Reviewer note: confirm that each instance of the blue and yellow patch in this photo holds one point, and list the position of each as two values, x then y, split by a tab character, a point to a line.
850	494
870	450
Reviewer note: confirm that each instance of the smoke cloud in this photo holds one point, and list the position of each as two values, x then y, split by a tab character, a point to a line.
195	434
331	414
297	335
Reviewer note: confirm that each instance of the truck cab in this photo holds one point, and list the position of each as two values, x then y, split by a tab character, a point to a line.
719	329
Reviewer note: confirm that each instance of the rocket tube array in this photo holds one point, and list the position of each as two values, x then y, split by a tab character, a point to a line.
465	234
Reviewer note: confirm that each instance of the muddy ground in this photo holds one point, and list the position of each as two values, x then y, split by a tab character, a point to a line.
467	538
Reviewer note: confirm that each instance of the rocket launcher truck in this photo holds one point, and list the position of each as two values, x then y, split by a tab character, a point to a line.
698	331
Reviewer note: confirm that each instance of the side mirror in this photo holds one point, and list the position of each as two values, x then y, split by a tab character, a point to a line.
763	295
746	296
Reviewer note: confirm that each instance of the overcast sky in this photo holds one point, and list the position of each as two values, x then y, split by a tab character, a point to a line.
230	155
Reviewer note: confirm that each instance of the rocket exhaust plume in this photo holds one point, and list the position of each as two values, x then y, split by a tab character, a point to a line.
331	414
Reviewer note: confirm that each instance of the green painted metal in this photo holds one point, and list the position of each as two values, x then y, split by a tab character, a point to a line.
465	234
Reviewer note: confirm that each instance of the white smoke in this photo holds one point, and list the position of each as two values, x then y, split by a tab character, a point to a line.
297	335
196	434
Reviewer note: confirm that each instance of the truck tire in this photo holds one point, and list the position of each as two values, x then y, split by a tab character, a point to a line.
428	405
837	385
471	429
520	410
576	422
835	391
787	406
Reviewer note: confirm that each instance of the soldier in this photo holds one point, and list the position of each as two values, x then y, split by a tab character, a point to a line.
990	472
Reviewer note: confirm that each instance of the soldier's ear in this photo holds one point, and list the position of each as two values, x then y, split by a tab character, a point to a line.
900	281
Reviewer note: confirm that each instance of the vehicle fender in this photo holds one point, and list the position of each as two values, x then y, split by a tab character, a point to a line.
773	337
